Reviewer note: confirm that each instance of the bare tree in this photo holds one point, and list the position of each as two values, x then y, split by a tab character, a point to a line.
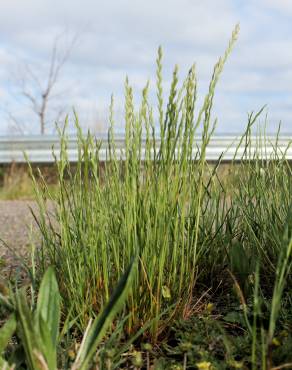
40	91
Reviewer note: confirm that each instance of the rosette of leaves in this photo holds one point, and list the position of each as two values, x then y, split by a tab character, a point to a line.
37	330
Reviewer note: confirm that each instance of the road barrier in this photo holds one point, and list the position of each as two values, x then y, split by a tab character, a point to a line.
39	148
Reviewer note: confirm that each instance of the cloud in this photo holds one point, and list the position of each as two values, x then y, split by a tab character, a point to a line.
119	38
284	6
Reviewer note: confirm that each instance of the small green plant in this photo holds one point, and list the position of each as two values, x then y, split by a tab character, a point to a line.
37	329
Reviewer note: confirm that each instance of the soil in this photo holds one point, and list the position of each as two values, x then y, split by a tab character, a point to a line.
18	230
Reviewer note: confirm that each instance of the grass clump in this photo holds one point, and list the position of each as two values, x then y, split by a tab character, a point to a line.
149	202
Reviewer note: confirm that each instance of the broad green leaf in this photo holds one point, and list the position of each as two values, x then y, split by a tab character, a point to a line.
48	303
49	350
97	330
26	330
6	332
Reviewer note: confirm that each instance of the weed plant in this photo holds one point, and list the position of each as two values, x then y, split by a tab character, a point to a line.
36	327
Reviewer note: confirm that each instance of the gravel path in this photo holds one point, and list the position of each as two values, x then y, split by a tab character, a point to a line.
16	222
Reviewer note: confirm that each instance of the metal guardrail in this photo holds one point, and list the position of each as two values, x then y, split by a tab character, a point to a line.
39	148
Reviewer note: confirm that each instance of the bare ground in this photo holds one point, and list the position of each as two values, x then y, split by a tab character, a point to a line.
17	229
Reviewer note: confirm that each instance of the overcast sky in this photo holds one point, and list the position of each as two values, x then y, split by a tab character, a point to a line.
121	37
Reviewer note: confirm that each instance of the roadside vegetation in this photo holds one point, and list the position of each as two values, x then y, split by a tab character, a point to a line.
185	269
16	182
